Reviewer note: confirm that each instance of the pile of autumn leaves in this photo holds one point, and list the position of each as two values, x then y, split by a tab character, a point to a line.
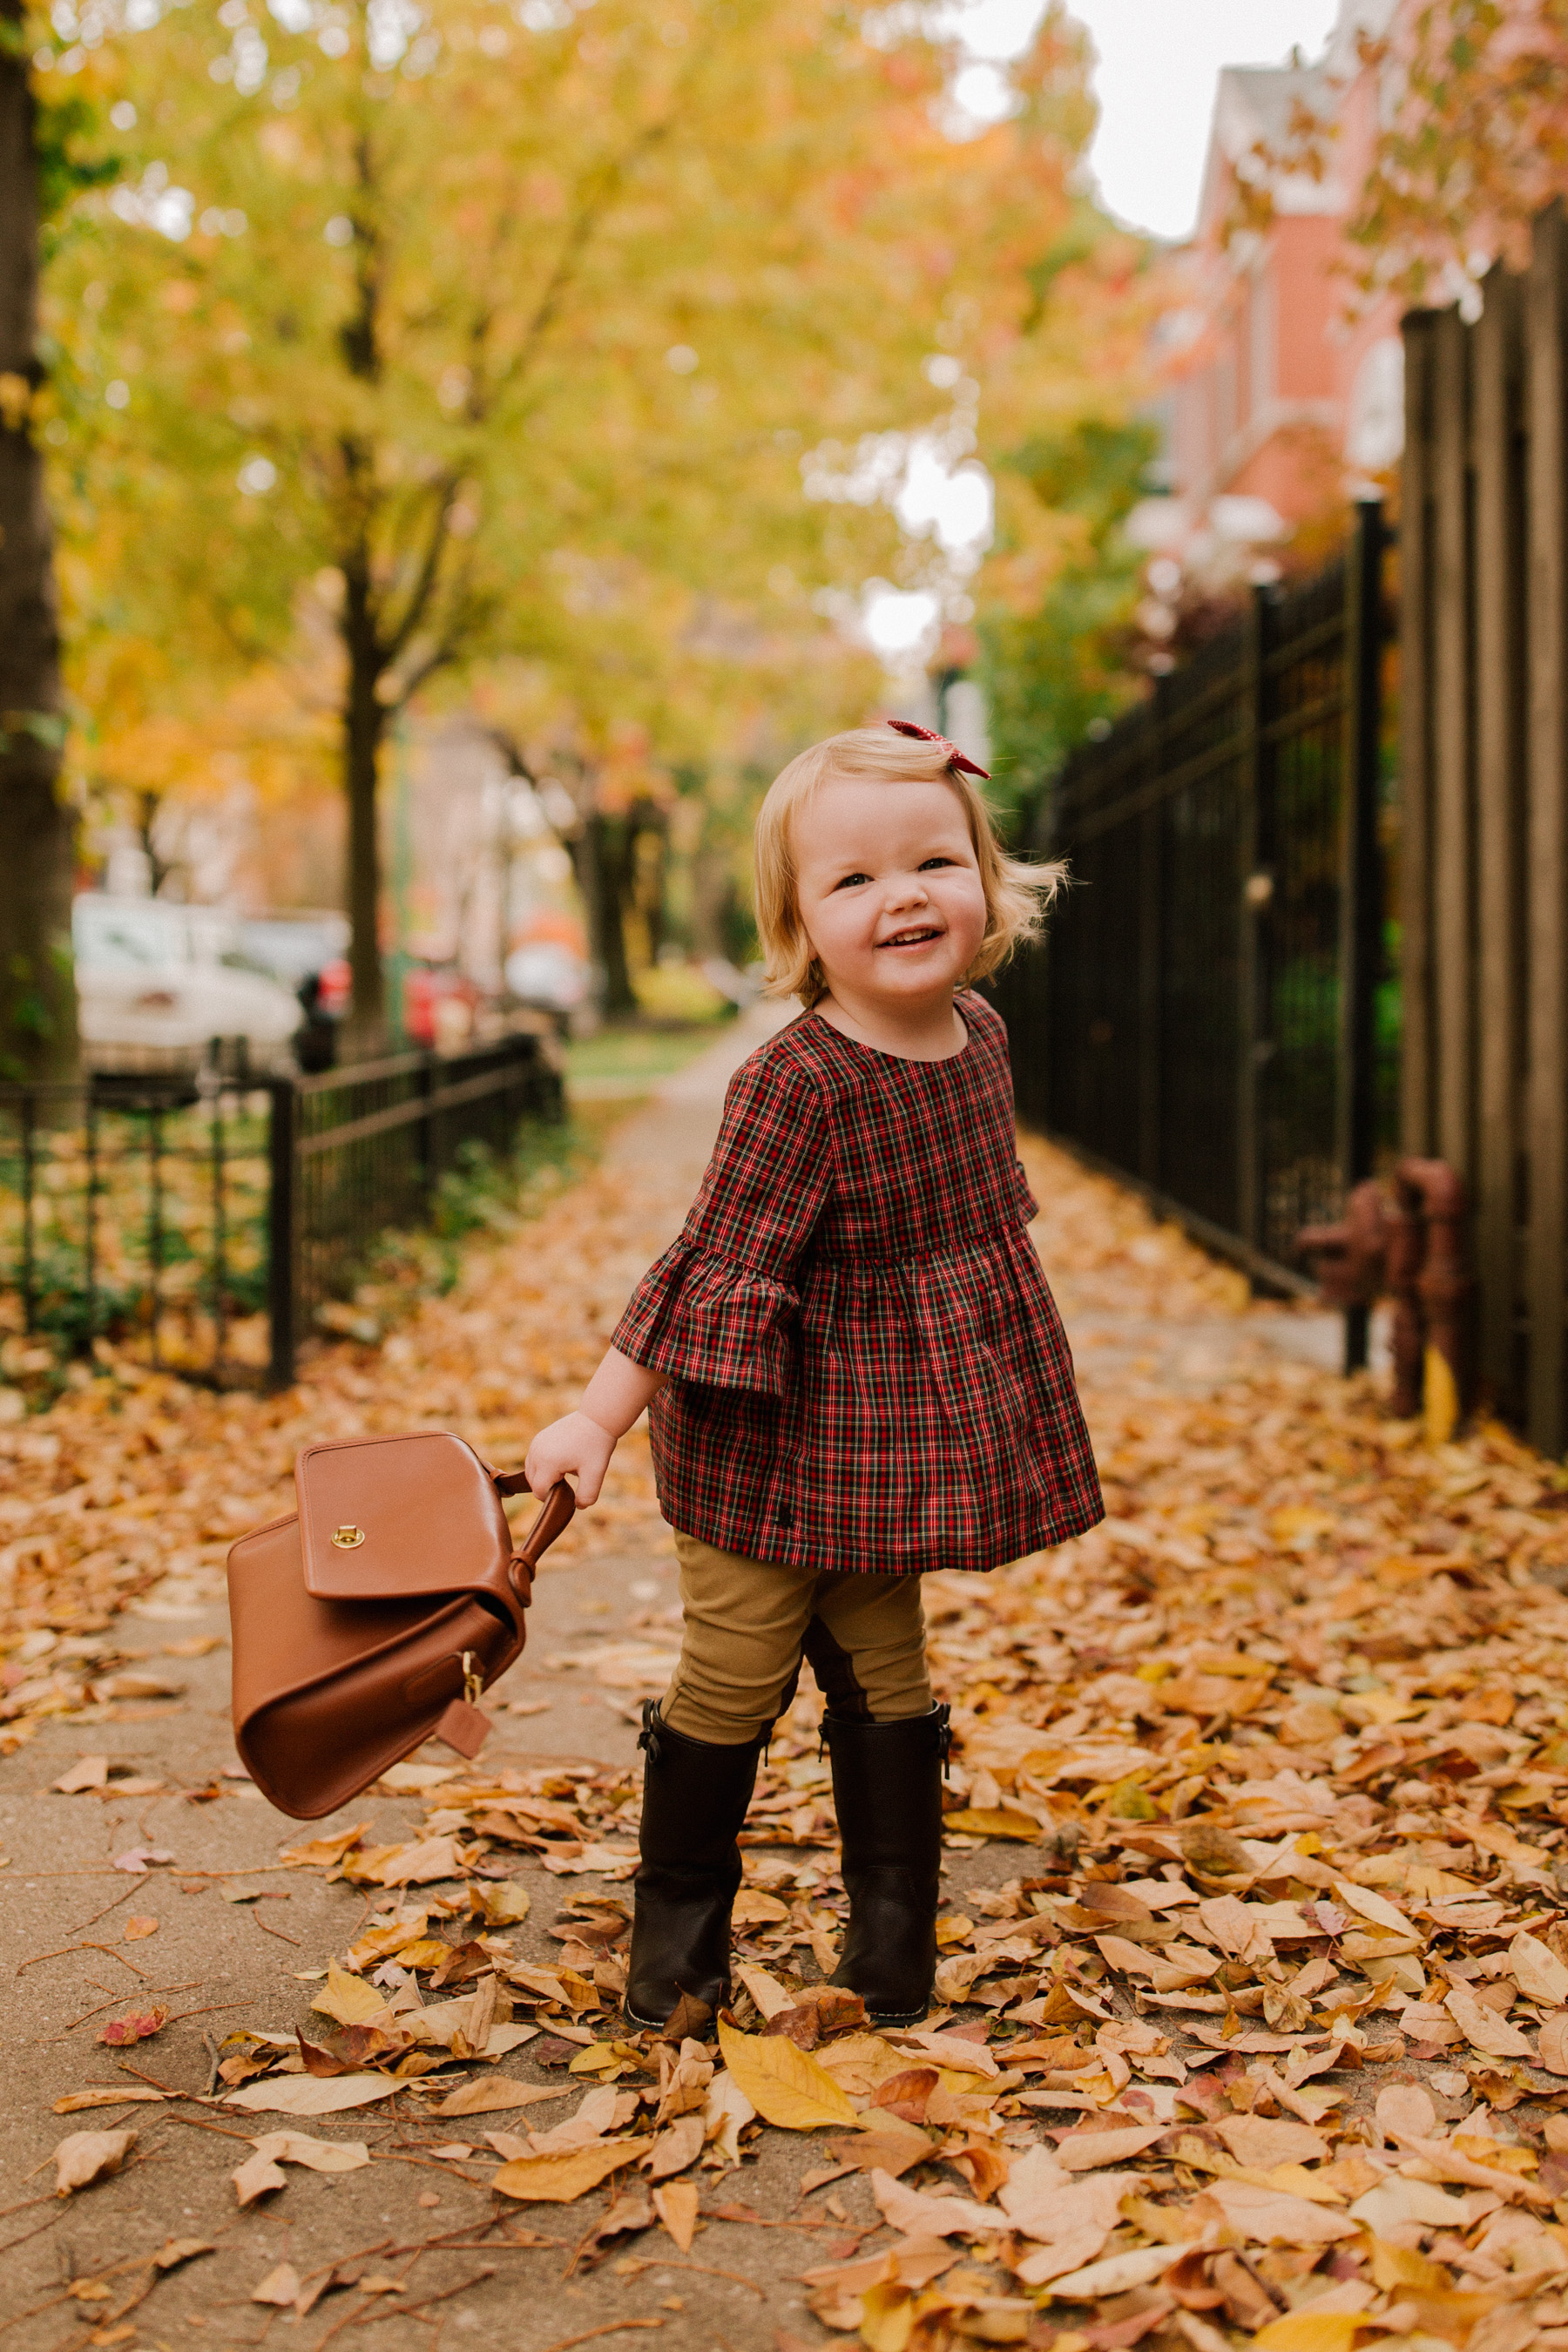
1270	2031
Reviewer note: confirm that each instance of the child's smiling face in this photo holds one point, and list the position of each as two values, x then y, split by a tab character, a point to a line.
889	889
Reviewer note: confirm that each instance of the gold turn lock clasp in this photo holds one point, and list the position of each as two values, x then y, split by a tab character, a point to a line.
348	1539
473	1681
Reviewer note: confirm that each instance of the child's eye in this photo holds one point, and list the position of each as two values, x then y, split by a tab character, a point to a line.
849	881
931	863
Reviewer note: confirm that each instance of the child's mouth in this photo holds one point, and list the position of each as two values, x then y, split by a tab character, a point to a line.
919	939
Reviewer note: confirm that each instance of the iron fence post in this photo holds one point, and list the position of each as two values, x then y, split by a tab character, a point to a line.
1360	875
1250	832
29	1236
283	1235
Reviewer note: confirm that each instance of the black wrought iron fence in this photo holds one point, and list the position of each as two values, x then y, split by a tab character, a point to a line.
203	1222
1207	1014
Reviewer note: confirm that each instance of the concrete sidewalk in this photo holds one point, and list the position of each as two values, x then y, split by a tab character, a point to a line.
218	1963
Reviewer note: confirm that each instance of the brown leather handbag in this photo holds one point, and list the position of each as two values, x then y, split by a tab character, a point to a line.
373	1618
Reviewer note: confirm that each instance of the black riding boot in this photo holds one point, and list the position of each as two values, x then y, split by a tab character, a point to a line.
695	1796
887	1786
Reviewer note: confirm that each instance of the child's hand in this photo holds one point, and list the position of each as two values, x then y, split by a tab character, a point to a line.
575	1445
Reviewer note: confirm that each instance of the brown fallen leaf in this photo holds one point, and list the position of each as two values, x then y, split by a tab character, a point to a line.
672	2149
887	2143
86	2157
1553	2043
689	2021
175	2250
137	1928
88	1773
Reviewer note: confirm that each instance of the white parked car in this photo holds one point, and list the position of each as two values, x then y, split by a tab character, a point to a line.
156	981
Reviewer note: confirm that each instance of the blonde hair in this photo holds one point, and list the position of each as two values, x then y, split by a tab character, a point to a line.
1017	893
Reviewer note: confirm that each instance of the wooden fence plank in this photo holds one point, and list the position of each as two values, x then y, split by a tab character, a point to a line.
1453	799
1496	461
1547	720
1416	1107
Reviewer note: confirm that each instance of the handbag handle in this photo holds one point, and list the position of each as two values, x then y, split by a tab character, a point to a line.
555	1516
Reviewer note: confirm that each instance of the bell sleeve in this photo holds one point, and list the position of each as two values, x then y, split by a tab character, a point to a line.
718	1306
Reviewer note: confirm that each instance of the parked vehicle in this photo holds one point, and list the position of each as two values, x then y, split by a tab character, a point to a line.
156	982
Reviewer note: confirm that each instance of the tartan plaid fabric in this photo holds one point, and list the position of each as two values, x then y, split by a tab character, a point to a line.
868	1368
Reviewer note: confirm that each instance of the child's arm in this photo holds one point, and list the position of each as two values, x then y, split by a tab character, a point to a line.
581	1442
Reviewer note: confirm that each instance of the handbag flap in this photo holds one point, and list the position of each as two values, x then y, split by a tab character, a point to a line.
380	1517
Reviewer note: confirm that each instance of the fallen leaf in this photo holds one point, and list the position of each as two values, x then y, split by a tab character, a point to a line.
493	2095
88	1773
785	2085
348	2000
678	2145
136	1928
560	2179
1537	1971
919	2215
281	2286
1116	2274
103	2094
88	2155
676	2205
1482	2027
257	2176
175	2250
1268	2217
137	2025
307	2095
316	2155
1310	2331
992	1821
1094	2145
1553	2043
1256	2140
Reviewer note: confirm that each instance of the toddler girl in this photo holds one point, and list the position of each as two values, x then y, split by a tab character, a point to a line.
856	1369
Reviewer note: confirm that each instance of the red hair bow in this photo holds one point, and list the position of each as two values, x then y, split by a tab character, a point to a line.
955	758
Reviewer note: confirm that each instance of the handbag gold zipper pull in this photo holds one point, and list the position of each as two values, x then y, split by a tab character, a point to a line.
473	1681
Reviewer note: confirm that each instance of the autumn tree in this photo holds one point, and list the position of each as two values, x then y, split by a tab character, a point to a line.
463	298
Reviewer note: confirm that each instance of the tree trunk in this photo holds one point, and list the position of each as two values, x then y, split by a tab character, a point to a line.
364	724
37	992
601	856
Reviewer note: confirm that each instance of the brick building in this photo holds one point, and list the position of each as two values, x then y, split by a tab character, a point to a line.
1275	402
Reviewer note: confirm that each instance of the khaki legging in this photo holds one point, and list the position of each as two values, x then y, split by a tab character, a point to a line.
750	1621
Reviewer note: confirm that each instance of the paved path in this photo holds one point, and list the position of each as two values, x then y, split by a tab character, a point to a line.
217	1963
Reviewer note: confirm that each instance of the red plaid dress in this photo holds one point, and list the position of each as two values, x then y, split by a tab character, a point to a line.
866	1368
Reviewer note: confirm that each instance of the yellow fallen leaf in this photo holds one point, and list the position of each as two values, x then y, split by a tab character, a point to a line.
319	1853
992	1820
784	2085
348	1999
1300	2331
558	2180
135	1928
102	2095
599	2058
1394	2266
674	2202
490	2095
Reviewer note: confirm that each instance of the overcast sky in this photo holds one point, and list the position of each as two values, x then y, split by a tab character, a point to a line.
1155	82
